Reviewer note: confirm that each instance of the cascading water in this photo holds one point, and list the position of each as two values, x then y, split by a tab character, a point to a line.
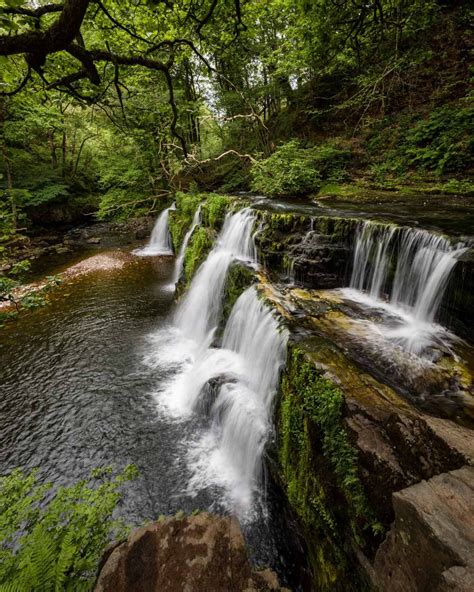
248	367
423	263
160	239
232	386
178	268
199	313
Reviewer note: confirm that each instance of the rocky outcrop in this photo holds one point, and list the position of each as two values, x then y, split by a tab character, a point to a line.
200	553
349	443
430	547
312	251
103	234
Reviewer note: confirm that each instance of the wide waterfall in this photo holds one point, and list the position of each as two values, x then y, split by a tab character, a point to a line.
199	313
160	239
178	268
424	262
407	271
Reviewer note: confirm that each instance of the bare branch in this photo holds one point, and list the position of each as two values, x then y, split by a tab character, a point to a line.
192	159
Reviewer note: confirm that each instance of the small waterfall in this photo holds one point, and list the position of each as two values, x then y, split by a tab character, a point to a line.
248	365
178	268
199	312
373	243
424	262
160	239
289	269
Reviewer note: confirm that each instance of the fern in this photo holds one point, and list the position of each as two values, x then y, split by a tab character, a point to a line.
56	547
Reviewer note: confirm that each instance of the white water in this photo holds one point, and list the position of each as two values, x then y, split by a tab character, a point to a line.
248	366
198	314
423	263
178	268
160	239
230	388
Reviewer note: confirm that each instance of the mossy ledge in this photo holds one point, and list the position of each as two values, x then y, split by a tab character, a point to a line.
318	468
213	211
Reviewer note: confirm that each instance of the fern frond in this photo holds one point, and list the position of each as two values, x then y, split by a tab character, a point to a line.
12	587
37	569
64	562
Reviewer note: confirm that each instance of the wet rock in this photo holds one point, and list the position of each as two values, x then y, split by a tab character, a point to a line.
430	546
94	240
142	233
193	554
109	261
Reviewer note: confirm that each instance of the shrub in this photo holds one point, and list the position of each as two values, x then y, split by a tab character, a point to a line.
294	170
290	170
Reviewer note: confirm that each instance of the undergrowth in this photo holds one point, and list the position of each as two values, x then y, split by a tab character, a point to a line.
52	541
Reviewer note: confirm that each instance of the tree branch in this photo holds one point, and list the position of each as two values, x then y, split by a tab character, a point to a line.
18	88
33	12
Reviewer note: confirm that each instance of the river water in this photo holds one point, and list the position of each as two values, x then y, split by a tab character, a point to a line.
80	390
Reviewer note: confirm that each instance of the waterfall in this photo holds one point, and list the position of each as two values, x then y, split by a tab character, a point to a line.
423	262
178	268
248	366
198	314
233	386
160	239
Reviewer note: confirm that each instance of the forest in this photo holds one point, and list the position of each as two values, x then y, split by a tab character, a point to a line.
303	172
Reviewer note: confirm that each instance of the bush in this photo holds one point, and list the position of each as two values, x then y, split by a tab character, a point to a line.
294	170
56	546
443	142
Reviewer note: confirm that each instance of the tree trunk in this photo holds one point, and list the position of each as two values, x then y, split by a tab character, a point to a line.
52	147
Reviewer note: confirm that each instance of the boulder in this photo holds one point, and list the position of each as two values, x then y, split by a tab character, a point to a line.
430	547
189	554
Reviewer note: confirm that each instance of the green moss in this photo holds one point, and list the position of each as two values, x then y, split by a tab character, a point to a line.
319	468
181	218
199	246
215	208
238	279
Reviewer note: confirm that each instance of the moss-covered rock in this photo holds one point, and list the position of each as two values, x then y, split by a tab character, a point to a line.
319	469
181	218
200	244
239	278
214	209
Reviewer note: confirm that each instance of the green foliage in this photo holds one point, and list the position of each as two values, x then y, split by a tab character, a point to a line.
52	541
290	170
439	143
21	297
442	142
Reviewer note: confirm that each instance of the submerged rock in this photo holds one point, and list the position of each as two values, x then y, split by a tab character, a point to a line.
193	554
